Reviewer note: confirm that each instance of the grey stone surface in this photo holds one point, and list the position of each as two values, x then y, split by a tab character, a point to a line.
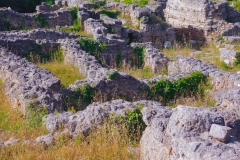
26	83
183	133
95	114
222	133
45	139
11	141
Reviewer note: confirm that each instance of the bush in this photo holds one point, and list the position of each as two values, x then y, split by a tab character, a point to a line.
185	86
113	75
139	50
133	122
110	14
237	61
41	20
86	92
33	118
93	47
118	58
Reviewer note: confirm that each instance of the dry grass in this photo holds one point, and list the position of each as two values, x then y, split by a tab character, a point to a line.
67	73
177	50
146	72
12	122
105	143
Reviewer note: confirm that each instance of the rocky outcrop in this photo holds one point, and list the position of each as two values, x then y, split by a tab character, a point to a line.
11	20
95	114
189	133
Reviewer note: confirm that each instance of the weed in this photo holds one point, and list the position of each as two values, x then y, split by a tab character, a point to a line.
111	14
93	47
112	75
184	86
139	50
86	92
41	20
111	30
118	58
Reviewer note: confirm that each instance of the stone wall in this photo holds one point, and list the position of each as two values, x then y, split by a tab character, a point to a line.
11	20
153	59
25	83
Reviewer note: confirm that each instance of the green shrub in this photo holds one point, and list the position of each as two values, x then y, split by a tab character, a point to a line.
110	14
113	75
111	30
138	2
86	92
133	122
183	87
41	20
224	66
237	61
74	13
119	58
37	56
139	50
33	118
93	47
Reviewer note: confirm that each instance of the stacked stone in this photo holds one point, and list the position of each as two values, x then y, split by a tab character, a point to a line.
26	83
112	23
61	17
95	114
153	59
47	8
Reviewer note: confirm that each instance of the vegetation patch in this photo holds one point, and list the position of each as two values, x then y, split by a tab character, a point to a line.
138	2
111	14
14	123
112	75
119	59
184	87
41	20
146	72
37	56
93	47
236	4
132	122
140	50
67	73
80	99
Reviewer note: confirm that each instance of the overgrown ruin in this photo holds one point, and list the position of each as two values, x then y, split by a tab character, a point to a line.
103	38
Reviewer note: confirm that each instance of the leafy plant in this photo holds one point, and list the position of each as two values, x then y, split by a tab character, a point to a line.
139	50
41	20
93	47
111	14
118	58
237	61
112	75
111	31
86	92
34	115
184	86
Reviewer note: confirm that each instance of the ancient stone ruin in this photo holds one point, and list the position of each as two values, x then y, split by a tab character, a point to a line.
115	35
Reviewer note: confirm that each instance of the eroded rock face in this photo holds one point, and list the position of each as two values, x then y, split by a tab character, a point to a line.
183	133
95	114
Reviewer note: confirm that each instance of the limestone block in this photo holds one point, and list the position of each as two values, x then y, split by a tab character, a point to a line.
221	133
